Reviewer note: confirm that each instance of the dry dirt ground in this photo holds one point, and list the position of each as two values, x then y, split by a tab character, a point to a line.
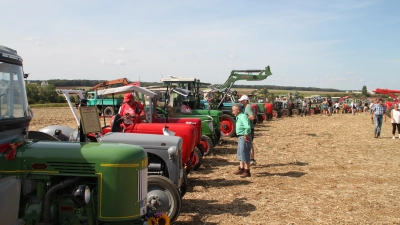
310	170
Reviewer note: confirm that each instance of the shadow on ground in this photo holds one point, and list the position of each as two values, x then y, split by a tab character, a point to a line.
288	174
205	208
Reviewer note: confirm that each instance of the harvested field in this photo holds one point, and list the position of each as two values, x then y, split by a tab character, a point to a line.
310	170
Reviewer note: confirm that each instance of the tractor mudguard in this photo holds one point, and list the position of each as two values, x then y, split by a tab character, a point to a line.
62	133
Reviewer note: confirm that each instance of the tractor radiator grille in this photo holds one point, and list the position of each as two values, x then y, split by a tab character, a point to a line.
71	167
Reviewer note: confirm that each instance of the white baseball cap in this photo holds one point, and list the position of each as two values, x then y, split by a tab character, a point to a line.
244	97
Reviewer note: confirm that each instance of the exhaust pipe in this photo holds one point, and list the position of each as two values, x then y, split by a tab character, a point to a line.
46	206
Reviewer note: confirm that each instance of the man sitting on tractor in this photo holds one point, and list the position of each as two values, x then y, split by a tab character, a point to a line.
130	109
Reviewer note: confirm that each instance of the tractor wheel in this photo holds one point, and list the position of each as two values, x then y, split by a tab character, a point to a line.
227	125
163	194
108	111
208	145
196	159
184	187
285	113
312	111
275	114
264	116
295	112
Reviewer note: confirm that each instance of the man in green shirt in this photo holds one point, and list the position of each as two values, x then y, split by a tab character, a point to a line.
248	111
243	130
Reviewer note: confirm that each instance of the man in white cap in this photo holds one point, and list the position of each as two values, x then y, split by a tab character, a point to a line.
248	111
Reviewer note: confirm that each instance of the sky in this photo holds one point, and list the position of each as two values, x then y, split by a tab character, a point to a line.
314	43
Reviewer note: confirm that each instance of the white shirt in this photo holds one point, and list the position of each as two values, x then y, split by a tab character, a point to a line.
396	116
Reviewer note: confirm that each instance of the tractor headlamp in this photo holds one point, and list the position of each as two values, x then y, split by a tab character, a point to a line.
81	195
172	152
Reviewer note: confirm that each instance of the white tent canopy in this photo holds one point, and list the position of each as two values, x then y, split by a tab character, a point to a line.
126	89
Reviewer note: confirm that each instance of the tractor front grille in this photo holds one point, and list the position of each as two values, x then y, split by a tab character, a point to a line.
72	167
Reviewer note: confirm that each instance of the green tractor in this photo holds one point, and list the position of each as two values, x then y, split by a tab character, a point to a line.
177	93
47	182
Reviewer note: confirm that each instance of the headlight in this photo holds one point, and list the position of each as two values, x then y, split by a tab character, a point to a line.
172	152
81	195
211	126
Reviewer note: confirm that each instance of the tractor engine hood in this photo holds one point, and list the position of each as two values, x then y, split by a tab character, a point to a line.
71	157
143	140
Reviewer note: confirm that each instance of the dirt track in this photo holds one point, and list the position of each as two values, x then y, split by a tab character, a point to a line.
312	170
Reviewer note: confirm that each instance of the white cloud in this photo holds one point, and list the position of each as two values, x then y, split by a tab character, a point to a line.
32	39
193	55
135	60
232	56
328	75
118	62
67	69
350	73
122	50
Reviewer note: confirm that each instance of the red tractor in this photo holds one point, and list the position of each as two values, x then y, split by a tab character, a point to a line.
189	130
391	93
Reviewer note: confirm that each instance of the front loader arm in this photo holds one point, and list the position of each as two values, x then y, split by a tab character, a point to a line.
236	75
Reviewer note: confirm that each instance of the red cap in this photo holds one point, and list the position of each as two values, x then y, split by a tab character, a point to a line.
128	97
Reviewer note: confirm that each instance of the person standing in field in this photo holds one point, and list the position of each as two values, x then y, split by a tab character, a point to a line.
395	114
304	107
329	106
337	107
243	130
248	111
378	112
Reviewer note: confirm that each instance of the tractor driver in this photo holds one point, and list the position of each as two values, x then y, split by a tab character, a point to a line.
128	110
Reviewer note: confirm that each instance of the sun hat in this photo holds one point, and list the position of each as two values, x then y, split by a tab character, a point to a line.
244	97
128	97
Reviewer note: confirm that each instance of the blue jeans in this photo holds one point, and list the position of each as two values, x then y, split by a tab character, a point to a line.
243	151
378	124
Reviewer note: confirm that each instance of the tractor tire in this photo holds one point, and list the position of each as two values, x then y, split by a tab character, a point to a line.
285	113
276	114
264	116
162	189
227	125
312	111
295	112
184	187
108	111
196	159
208	145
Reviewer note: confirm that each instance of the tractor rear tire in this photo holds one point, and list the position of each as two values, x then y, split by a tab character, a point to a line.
165	191
227	125
285	113
295	112
264	116
196	159
208	145
184	187
276	114
108	111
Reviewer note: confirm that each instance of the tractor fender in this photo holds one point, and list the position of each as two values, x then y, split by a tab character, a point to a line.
62	133
228	112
